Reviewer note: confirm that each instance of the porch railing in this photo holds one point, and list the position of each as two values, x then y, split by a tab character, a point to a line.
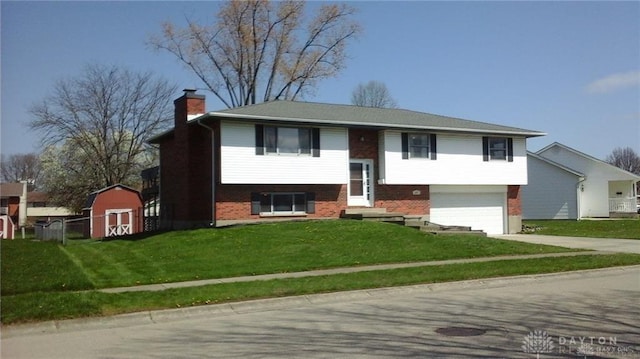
622	205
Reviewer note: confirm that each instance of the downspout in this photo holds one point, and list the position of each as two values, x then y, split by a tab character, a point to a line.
580	190
159	219
213	171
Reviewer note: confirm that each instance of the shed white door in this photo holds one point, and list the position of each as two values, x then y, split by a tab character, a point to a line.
118	222
485	211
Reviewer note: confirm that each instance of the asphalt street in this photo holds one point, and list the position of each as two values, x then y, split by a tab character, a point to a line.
589	314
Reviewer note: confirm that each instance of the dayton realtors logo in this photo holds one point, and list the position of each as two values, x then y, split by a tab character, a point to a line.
537	342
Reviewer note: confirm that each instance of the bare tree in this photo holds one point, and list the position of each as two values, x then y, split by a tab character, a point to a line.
103	117
372	94
625	158
21	167
256	51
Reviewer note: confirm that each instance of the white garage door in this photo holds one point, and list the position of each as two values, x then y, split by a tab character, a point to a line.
485	211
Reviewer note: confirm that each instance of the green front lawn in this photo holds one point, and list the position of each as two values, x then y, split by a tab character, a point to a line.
32	307
244	250
626	229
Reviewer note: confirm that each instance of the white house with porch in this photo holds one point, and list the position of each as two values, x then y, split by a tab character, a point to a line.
565	183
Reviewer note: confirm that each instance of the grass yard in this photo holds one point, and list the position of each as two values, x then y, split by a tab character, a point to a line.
244	250
627	229
31	307
44	280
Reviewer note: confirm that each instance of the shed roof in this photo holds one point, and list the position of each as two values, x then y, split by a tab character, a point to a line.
93	195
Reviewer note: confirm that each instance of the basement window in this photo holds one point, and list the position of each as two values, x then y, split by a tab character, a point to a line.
283	203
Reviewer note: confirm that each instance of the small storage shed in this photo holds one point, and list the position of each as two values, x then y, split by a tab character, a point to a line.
113	211
7	229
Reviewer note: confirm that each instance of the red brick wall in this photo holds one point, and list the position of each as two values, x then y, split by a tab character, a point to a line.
363	144
401	198
514	203
185	166
234	201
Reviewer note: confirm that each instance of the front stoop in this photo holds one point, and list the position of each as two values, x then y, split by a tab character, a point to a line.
373	214
413	221
435	228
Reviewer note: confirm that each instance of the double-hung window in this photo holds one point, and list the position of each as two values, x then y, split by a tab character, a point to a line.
418	145
497	149
280	140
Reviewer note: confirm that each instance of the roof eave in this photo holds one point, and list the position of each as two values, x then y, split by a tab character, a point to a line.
366	124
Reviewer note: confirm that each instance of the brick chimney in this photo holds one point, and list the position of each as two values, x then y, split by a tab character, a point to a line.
188	106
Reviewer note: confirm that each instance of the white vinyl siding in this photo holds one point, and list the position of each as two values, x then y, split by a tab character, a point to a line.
594	190
240	164
478	207
460	162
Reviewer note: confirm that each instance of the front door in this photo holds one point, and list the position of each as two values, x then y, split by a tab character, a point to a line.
360	183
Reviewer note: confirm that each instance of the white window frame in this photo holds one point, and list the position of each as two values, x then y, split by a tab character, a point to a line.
505	149
293	211
427	146
308	151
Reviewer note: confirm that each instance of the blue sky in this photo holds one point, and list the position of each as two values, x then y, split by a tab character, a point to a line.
570	69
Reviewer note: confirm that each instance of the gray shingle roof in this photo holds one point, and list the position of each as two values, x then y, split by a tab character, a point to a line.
349	115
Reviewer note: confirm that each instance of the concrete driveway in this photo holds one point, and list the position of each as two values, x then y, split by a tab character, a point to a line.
598	244
588	314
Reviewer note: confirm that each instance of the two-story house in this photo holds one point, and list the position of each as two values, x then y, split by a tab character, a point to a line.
284	158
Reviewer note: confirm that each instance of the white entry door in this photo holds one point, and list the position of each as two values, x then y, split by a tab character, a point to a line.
360	183
118	222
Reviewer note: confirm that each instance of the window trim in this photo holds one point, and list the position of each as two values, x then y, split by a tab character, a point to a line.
406	146
263	148
257	203
486	149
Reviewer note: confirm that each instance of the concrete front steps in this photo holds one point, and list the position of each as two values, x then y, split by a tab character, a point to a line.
413	221
373	214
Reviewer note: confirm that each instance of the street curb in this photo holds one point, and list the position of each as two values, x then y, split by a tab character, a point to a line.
269	304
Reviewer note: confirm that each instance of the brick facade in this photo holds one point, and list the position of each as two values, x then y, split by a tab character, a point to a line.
233	202
514	201
186	159
363	144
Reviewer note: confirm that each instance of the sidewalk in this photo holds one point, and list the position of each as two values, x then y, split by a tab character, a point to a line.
342	270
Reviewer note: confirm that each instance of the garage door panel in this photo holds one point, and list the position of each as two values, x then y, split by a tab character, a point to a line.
484	211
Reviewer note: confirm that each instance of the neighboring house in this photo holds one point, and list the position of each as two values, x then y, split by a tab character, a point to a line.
298	159
113	211
13	202
27	207
39	208
567	184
